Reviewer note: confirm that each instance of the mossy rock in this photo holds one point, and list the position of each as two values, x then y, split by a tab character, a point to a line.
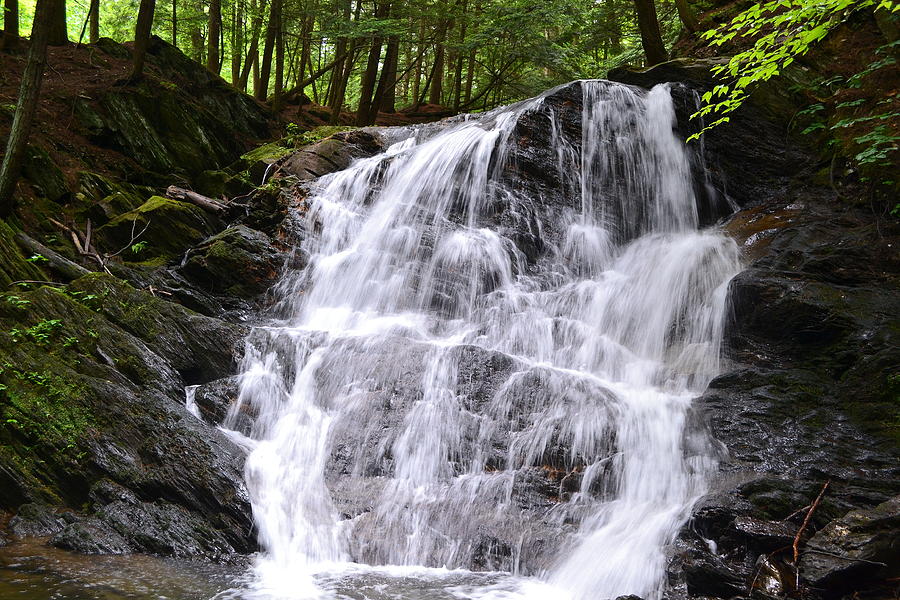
169	228
239	261
91	390
43	173
13	265
257	161
211	183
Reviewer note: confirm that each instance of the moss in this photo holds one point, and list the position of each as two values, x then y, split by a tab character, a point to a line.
13	265
43	406
271	151
43	173
168	228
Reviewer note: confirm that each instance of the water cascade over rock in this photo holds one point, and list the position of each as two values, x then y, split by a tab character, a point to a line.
489	360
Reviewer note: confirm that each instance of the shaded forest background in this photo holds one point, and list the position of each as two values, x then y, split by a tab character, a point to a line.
368	56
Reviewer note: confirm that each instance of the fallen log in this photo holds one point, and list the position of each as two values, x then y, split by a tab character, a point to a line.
206	203
65	267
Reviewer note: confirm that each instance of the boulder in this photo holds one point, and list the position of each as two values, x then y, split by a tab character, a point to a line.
239	261
92	416
166	228
856	551
332	154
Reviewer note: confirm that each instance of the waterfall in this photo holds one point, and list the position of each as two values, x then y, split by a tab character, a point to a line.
477	371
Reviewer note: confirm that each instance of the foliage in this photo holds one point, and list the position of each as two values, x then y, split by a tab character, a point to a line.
782	30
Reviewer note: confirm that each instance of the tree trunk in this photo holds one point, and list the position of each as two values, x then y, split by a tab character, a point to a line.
58	35
279	60
368	110
437	77
261	90
252	61
237	40
196	34
175	23
29	91
688	19
365	111
213	30
10	25
654	49
386	95
94	22
142	36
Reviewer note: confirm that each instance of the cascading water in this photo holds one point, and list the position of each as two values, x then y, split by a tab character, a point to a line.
471	375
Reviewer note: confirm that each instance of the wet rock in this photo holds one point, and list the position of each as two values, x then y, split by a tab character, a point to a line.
764	536
856	551
755	136
102	399
158	527
707	575
200	348
216	398
239	261
91	536
331	154
36	520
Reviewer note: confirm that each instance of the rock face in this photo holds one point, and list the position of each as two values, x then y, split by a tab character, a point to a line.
92	409
811	395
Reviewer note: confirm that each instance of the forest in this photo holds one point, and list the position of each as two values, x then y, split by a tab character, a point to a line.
465	55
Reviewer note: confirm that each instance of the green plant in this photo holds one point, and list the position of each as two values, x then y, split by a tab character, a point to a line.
138	247
782	30
39	333
17	301
37	258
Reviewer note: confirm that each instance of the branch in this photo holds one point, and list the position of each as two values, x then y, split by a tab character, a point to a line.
55	261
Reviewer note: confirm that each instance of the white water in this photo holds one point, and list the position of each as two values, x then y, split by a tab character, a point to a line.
428	384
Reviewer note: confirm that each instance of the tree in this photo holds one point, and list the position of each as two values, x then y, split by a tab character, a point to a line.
142	36
58	34
648	23
94	21
261	87
786	35
29	91
214	31
686	15
10	25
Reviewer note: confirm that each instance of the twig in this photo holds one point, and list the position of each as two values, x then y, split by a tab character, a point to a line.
796	545
848	558
37	281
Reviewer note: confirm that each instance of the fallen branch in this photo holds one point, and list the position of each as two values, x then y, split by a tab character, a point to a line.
796	545
65	267
204	202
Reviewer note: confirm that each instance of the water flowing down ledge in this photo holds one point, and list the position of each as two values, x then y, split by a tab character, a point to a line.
480	386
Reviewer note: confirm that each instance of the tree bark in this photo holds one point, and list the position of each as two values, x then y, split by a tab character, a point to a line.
437	77
196	35
10	25
237	40
142	36
58	35
654	49
94	22
29	91
261	90
279	61
688	19
386	95
367	84
252	61
175	23
214	28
